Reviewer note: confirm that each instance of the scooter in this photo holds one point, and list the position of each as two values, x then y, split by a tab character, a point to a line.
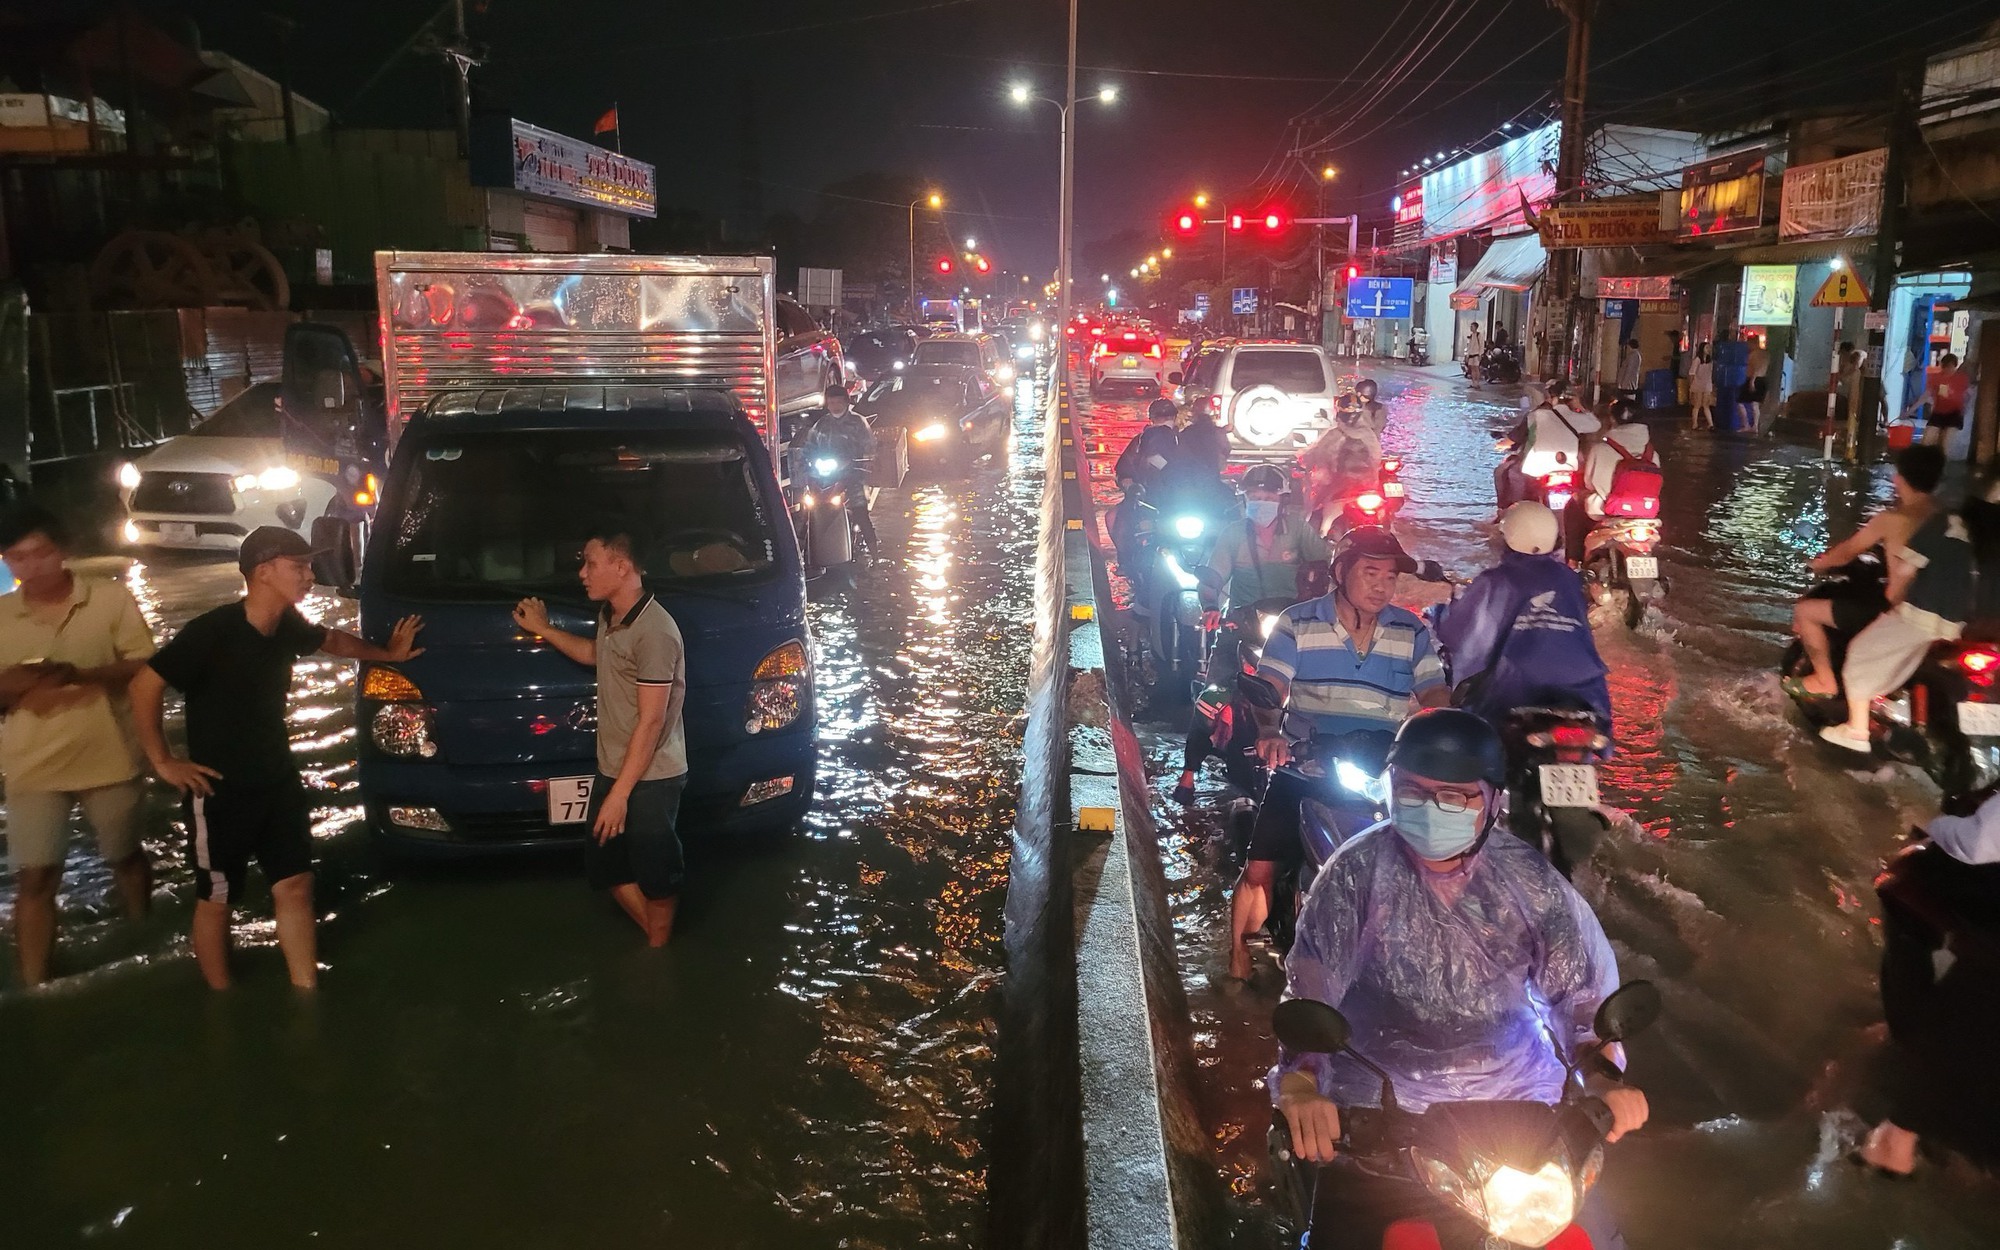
1946	718
1479	1173
826	532
1620	555
1865	578
1233	647
1552	795
1500	364
1177	536
1420	352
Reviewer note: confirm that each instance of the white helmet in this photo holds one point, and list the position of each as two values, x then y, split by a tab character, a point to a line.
1530	528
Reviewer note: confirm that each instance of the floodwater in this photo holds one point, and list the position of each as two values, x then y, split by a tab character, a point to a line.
494	1060
1740	881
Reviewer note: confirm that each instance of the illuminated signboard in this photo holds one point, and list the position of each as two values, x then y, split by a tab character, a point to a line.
1721	196
1409	205
508	152
1487	189
1770	295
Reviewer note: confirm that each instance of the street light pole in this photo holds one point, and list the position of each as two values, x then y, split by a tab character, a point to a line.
936	201
1066	223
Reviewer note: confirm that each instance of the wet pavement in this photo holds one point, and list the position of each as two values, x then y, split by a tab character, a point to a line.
494	1060
1740	880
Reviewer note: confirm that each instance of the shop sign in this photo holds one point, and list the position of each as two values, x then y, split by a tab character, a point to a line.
541	162
1721	196
1653	286
1617	308
1444	263
1833	199
1623	224
1409	206
1770	295
1464	301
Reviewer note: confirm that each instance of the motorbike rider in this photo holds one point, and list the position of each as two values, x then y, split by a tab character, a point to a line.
1139	468
1346	661
1420	346
1256	558
1627	439
1918	470
1548	438
1461	960
838	428
1347	459
1519	635
1202	451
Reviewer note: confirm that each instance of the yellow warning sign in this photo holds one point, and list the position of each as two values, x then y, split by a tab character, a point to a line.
1842	289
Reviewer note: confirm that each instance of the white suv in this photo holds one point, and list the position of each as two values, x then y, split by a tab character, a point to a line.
1274	398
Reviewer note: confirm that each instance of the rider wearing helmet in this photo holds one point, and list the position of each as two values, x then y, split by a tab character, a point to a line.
1549	436
1346	661
1347	459
1257	558
1139	469
1519	635
1465	965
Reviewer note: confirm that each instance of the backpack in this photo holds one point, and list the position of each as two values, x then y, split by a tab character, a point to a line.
1635	484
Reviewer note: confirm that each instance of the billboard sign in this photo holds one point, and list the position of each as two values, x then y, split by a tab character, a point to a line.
1722	196
1770	295
508	152
1603	223
1243	301
1833	199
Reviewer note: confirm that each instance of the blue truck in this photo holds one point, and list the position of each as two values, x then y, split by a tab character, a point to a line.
530	397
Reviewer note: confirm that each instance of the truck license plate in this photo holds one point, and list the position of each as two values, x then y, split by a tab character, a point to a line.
569	800
1979	720
1642	568
1569	785
177	531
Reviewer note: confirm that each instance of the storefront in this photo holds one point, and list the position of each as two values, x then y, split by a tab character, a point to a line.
547	192
1494	293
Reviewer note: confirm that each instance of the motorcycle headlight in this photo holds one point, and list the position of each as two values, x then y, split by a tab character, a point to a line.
1529	1209
825	466
1184	579
244	482
278	477
1189	527
128	475
1265	624
930	433
1355	779
897	366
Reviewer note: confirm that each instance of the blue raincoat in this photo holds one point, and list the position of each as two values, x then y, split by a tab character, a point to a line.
1451	981
1526	625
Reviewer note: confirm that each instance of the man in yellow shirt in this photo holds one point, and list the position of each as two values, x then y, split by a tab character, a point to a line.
68	648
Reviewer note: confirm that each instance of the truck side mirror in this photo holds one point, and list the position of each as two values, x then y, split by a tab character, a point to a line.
338	560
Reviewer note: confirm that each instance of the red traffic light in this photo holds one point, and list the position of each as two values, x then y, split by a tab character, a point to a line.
982	264
944	264
1186	223
1273	220
1353	272
1236	223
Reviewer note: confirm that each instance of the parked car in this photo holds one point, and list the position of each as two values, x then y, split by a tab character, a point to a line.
206	489
875	354
809	358
1273	398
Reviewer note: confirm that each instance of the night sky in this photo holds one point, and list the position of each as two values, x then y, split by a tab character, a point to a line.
1213	94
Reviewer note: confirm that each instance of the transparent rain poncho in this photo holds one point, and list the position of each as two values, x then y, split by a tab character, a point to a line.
1452	981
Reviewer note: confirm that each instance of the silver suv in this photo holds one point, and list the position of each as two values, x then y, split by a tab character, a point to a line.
1273	398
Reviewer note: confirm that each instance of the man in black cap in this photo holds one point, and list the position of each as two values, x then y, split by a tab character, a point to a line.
244	797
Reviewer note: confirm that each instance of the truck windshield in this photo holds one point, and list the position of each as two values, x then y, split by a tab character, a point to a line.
505	513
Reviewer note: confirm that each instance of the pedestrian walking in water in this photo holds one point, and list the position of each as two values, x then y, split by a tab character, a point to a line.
243	795
1628	373
1755	386
633	850
69	646
1701	389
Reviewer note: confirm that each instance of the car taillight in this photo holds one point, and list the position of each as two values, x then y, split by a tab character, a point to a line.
1154	351
1214	403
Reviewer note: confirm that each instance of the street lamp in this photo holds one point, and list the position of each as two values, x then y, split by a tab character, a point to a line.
970	243
1022	94
935	201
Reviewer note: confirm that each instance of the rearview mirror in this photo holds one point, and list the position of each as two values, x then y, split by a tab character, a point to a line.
1307	1026
1628	1012
338	562
1259	692
1431	571
1175	378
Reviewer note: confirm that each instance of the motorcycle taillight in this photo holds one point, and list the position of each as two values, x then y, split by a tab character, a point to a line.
1981	666
1560	477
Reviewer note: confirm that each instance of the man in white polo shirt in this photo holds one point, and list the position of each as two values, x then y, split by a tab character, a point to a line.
68	647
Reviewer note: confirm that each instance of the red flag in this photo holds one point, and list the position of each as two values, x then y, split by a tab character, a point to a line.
608	122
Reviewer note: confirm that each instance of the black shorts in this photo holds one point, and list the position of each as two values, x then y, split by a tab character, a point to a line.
1758	388
230	827
648	853
1275	836
1854	613
1947	420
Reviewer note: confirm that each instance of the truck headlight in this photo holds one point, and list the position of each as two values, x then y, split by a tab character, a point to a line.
278	477
128	475
779	689
403	730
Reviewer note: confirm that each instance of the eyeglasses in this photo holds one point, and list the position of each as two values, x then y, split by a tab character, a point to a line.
1446	800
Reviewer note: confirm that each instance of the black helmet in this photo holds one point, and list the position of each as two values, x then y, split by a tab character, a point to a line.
1370	542
1450	744
1365	388
1162	410
1266	477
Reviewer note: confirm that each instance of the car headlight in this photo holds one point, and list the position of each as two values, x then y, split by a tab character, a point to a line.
897	365
244	482
1529	1209
1024	351
779	689
278	477
1035	332
1189	527
403	729
930	433
1005	373
825	466
128	475
1183	578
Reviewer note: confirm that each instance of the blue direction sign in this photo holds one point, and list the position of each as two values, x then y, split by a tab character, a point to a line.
1380	297
1201	300
1243	301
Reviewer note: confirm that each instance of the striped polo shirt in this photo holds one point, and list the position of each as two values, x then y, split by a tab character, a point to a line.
1340	690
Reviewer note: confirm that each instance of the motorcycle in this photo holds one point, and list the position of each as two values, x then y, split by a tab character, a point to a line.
1866	579
1232	648
1500	364
1478	1173
1176	535
825	530
1946	718
1420	352
1552	795
1620	555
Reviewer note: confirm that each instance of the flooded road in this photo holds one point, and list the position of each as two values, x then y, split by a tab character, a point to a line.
494	1060
1740	880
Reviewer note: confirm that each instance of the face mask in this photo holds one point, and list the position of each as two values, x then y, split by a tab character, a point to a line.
1262	511
1437	834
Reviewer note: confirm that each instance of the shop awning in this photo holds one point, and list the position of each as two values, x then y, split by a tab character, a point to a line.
1512	264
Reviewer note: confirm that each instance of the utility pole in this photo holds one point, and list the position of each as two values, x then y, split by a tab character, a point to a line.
1572	156
1903	132
1065	223
459	53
